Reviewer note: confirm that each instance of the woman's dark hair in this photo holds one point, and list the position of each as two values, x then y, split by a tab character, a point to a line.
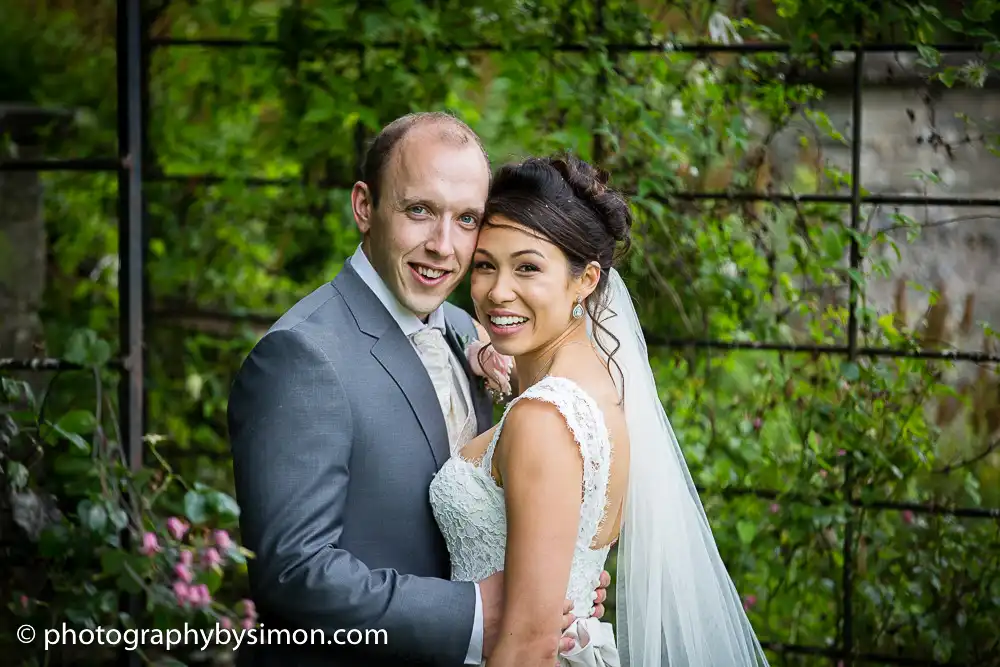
567	202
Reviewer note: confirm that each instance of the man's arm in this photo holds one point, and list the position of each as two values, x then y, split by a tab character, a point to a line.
291	431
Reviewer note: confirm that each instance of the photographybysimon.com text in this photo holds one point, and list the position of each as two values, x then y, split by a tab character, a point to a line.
202	638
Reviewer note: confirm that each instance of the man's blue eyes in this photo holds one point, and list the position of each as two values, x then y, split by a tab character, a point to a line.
421	210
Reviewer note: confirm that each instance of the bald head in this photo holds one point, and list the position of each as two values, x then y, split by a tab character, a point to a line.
430	125
420	205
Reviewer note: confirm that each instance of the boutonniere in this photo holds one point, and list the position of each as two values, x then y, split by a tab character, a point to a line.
492	367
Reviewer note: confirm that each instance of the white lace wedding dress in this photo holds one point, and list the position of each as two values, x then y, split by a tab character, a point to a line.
469	508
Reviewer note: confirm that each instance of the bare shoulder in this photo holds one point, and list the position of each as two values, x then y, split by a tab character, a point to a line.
533	416
535	433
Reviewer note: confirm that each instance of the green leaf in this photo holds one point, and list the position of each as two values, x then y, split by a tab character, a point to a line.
54	541
17	473
747	531
127	583
981	11
108	602
143	477
16	391
92	516
119	519
834	244
112	562
73	465
86	349
78	421
224	505
850	371
82	618
929	56
74	425
75	439
168	662
211	578
194	507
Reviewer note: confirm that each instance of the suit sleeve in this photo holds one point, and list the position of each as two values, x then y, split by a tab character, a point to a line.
291	435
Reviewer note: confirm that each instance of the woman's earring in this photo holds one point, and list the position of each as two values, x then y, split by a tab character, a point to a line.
578	308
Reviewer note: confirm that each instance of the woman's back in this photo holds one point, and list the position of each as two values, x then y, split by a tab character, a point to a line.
584	368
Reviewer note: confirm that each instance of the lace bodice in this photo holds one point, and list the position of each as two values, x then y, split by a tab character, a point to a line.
469	506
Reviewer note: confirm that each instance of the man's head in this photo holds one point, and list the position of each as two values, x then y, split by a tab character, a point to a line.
419	206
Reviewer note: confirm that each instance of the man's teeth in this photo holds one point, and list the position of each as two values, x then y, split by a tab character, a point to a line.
429	273
508	320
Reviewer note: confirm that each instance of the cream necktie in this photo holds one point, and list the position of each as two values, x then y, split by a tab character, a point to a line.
436	357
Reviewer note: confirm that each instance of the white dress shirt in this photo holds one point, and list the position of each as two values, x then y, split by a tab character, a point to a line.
410	324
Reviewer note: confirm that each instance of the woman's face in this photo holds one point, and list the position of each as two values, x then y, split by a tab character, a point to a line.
522	287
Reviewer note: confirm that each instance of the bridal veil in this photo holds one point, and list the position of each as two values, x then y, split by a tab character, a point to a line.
676	605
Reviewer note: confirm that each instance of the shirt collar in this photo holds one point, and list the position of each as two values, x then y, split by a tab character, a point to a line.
407	321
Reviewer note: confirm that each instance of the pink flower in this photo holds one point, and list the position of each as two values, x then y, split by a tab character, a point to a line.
183	572
249	609
757	423
182	592
200	595
226	623
176	527
749	601
495	367
150	545
823	474
222	539
775	508
907	516
248	623
212	557
24	601
841	452
187	558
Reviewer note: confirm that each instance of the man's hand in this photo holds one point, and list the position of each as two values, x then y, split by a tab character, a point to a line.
567	643
491	591
602	594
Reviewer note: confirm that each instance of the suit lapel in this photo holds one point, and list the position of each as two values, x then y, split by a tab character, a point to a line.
395	353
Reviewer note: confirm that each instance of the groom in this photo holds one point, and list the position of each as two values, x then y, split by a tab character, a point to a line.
348	406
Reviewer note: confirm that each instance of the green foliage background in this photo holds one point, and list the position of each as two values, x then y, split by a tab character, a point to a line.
226	256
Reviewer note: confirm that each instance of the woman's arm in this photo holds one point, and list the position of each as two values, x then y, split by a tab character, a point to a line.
542	472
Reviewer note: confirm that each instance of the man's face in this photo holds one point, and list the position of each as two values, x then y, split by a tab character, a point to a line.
421	236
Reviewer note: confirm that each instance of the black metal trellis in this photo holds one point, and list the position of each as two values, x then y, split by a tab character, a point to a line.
133	50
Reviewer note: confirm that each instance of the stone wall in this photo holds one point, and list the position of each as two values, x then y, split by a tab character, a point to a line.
909	129
22	237
928	140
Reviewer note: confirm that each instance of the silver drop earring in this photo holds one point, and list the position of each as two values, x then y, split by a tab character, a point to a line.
578	309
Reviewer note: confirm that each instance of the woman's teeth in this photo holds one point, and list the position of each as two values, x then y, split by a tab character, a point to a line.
508	320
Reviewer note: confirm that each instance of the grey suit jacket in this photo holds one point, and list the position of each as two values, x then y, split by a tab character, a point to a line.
336	433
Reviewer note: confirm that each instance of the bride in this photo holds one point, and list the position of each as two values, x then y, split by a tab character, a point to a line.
584	455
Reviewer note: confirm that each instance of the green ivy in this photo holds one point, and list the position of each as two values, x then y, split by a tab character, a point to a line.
832	437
